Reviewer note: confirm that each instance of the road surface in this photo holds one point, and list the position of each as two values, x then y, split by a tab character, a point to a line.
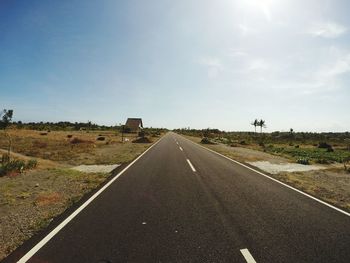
182	203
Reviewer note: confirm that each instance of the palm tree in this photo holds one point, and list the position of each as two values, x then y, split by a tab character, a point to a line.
255	123
261	124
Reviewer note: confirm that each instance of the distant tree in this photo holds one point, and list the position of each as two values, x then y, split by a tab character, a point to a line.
291	133
261	124
255	123
6	118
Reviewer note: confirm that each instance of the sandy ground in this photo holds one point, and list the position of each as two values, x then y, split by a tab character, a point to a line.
275	168
96	168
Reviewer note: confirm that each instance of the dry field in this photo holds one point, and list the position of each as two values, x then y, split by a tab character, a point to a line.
331	184
73	148
29	201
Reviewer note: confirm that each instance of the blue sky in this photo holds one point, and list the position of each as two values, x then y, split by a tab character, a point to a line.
184	63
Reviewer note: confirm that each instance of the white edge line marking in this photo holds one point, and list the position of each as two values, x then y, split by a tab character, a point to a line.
181	148
46	239
177	143
248	257
190	164
273	179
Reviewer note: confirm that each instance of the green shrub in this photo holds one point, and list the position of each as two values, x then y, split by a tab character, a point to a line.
12	166
330	149
324	145
322	161
205	140
17	166
304	161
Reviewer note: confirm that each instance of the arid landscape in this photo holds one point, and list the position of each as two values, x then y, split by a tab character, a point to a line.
175	131
30	199
326	175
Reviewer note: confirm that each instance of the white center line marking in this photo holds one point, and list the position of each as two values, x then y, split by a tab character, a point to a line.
190	164
248	257
181	148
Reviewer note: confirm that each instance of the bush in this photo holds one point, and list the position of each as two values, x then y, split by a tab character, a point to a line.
142	140
31	164
77	141
243	142
43	133
322	161
205	140
5	158
304	161
330	149
12	166
324	145
17	166
101	138
296	146
69	136
141	134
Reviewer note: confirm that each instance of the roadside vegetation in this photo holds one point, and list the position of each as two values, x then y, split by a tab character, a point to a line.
331	151
302	147
36	182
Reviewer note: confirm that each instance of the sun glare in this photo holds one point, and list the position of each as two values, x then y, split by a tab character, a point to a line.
263	5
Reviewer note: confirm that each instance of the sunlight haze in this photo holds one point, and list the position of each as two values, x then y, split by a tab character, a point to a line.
198	63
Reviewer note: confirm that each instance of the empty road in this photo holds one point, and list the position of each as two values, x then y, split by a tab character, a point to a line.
182	203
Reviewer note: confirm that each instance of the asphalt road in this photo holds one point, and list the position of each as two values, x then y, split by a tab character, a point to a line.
182	203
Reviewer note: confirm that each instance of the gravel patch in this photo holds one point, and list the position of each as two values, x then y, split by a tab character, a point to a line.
96	168
275	168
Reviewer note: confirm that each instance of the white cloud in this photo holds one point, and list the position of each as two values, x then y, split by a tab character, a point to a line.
237	53
327	77
210	61
323	75
341	66
327	30
213	64
245	30
258	65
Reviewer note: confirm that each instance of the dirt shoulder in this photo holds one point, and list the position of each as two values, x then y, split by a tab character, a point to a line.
30	200
331	184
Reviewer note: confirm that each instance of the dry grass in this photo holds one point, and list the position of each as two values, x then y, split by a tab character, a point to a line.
81	148
331	185
29	201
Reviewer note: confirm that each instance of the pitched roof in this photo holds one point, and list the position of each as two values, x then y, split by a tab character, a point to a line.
134	123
